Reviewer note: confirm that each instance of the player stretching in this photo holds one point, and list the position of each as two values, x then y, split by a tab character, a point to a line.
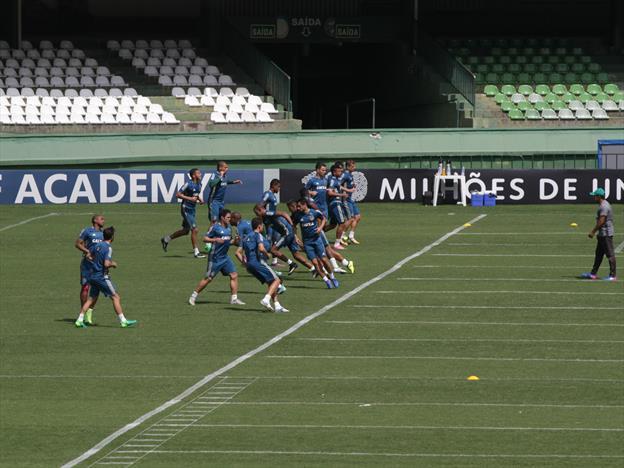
311	231
220	235
98	279
337	197
253	255
353	210
189	193
86	239
217	184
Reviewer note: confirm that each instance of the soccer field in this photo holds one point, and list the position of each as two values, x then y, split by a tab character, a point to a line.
377	377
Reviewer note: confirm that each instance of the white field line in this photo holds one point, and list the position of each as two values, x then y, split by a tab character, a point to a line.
513	244
11	226
434	404
386	454
510	324
573	233
189	391
453	428
506	267
73	376
507	255
502	292
448	358
467	340
531	280
619	248
186	422
438	306
428	377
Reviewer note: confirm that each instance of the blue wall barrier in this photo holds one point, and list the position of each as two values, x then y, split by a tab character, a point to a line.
115	186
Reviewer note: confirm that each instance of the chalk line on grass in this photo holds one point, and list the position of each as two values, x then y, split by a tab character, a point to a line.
503	292
26	221
619	248
445	358
478	324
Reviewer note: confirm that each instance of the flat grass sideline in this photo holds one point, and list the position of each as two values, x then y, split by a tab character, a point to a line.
378	378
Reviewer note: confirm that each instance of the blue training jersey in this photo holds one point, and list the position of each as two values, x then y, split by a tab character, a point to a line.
335	184
282	226
318	185
348	182
308	223
217	186
217	231
269	200
100	252
90	236
190	189
244	229
250	246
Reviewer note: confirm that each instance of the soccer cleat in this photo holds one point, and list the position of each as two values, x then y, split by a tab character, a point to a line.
128	323
353	240
266	304
274	262
314	274
281	310
335	282
236	302
291	269
281	289
344	242
351	266
329	284
88	317
339	270
80	324
338	246
191	300
588	276
199	255
610	278
164	243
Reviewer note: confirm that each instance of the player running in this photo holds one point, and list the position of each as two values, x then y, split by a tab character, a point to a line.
99	281
604	239
218	184
337	197
243	227
312	223
190	194
253	255
220	235
317	188
88	237
353	210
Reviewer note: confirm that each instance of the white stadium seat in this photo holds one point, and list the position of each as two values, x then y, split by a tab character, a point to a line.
217	117
600	114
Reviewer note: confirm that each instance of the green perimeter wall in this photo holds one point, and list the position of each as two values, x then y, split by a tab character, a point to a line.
393	148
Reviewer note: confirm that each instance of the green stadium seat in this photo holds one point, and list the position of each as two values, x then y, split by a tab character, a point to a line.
496	51
498	68
532	114
555	77
601	97
567	97
602	77
544	51
524	78
542	89
504	59
587	78
552	59
530	68
489	60
532	42
585	59
516	114
525	89
584	97
463	52
550	98
594	68
479	78
559	89
491	90
618	96
577	67
512	51
571	77
594	89
500	98
577	89
611	88
530	51
521	59
492	78
561	51
562	68
508	78
473	60
482	68
507	106
514	68
558	105
570	59
537	59
541	105
524	106
577	51
546	68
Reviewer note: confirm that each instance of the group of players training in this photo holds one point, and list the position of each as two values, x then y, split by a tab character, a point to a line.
325	203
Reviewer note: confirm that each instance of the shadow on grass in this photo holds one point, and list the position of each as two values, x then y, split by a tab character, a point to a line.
71	321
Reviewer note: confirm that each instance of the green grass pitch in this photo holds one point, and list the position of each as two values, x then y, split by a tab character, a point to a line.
378	380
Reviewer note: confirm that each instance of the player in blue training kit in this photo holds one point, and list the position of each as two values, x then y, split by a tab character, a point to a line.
337	196
243	227
312	223
88	237
99	281
353	210
190	194
317	188
220	235
253	254
217	185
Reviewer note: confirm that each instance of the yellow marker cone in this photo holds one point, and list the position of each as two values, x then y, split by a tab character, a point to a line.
473	377
467	225
573	225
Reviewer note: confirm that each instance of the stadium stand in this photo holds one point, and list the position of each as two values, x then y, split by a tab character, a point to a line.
540	79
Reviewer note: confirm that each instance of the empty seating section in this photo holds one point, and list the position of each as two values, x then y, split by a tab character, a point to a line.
228	106
173	63
63	110
539	78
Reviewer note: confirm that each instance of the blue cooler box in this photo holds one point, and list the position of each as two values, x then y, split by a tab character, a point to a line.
489	199
476	199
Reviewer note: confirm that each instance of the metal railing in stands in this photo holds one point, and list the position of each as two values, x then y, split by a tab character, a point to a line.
447	66
274	80
503	161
